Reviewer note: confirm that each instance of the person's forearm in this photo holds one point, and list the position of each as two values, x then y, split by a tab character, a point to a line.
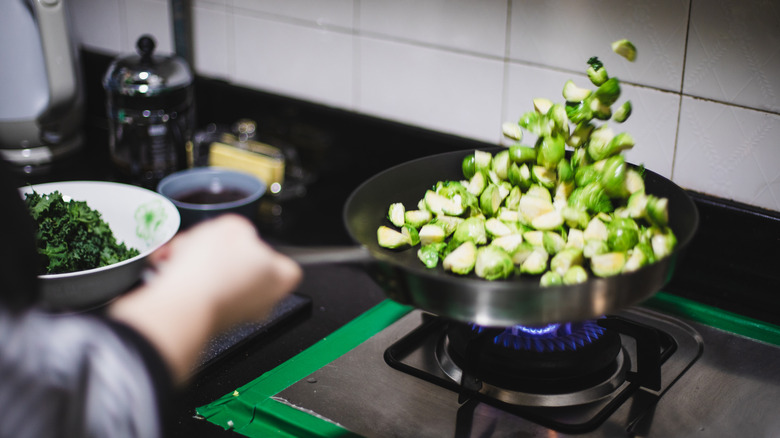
178	329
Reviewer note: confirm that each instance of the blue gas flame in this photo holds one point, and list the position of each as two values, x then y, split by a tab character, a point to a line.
567	336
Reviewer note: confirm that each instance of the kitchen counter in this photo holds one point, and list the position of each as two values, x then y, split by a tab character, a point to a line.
730	265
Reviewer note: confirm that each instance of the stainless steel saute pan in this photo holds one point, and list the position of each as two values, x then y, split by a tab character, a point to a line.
518	300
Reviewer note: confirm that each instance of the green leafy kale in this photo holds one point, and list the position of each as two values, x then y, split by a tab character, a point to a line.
71	236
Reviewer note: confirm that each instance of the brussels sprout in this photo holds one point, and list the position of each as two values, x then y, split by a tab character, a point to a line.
550	278
501	164
622	234
580	135
579	112
496	228
565	171
493	263
594	247
657	210
636	259
663	243
600	150
521	253
613	177
565	259
482	160
447	223
471	229
390	238
508	243
511	130
592	197
576	274
520	176
537	191
575	239
608	92
596	71
531	207
430	254
646	249
512	201
548	221
438	204
600	111
534	237
411	232
417	218
637	205
551	150
536	123
559	119
552	242
396	214
575	217
431	233
634	181
477	183
509	214
585	175
623	112
521	154
542	105
462	259
561	195
607	264
596	230
543	176
579	158
490	200
468	167
625	48
573	93
535	263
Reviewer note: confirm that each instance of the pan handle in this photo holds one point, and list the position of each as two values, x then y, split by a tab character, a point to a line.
317	255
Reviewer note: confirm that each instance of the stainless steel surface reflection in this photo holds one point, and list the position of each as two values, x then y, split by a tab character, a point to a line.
731	389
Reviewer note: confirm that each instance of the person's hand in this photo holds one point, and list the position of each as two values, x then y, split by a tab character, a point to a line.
223	261
207	279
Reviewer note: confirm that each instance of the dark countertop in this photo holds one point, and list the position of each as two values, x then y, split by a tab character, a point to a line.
731	263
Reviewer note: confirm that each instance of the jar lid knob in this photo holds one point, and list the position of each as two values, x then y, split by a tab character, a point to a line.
145	47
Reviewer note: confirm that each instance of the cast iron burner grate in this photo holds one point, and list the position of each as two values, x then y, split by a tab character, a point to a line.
562	364
478	381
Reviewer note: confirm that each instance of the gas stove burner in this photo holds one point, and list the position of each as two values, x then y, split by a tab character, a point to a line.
567	336
556	365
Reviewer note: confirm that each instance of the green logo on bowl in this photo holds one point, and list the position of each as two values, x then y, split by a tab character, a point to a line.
149	217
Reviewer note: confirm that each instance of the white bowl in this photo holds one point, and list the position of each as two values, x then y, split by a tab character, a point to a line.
140	218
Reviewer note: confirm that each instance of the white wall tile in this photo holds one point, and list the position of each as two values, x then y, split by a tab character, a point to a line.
97	24
564	34
449	92
652	123
148	17
212	36
299	61
734	53
729	152
338	13
460	24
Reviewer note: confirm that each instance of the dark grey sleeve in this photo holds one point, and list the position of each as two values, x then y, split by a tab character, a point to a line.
67	376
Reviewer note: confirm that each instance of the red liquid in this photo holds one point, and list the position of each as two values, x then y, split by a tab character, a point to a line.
206	196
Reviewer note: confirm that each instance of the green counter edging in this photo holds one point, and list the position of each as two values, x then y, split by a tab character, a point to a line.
714	317
252	412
